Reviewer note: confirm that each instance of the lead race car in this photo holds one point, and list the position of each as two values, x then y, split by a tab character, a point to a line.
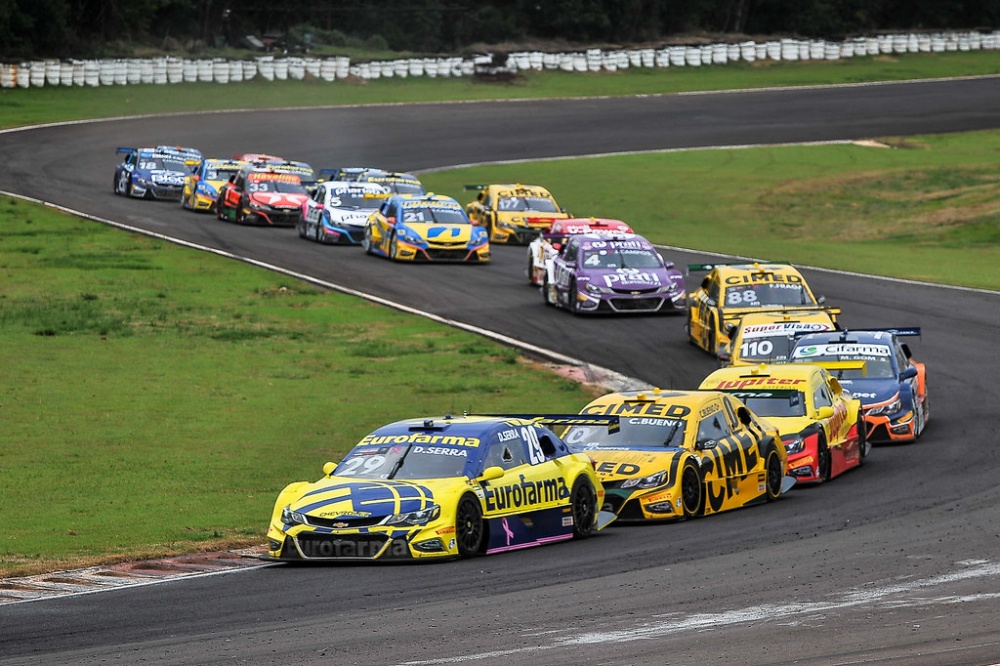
879	369
613	273
154	172
423	228
546	245
443	487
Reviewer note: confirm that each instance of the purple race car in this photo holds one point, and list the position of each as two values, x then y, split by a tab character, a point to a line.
612	273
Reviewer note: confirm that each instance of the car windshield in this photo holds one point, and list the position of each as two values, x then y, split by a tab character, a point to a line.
773	348
438	214
220	174
877	359
408	461
769	294
633	432
534	204
354	198
620	258
164	164
783	403
281	186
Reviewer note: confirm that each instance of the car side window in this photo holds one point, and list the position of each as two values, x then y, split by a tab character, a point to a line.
571	252
507	454
712	427
822	397
713	291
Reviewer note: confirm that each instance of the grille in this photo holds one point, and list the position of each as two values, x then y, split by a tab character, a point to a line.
343	523
354	547
636	304
166	191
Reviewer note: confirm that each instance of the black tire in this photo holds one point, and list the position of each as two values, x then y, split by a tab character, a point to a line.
531	269
774	472
572	302
690	318
470	530
218	209
692	491
545	292
393	248
711	346
583	501
320	237
862	440
823	464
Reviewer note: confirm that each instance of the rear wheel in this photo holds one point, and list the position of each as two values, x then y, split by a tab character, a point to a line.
691	491
470	534
775	474
862	440
823	465
583	500
393	248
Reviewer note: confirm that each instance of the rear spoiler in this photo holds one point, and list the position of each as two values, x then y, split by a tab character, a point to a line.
125	150
474	187
612	423
707	268
838	365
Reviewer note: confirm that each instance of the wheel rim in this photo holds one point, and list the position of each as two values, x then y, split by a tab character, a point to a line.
469	527
690	490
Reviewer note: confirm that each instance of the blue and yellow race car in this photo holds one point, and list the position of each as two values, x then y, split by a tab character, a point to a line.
425	227
442	487
154	172
202	185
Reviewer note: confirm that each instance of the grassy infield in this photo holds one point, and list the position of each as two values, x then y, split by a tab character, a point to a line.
154	399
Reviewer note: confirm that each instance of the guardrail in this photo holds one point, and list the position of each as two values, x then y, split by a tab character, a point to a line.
162	71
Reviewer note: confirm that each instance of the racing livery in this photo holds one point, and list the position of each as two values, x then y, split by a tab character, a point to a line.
441	487
546	245
262	195
513	213
425	227
154	172
768	337
397	181
681	454
730	291
337	212
820	423
612	273
201	186
878	368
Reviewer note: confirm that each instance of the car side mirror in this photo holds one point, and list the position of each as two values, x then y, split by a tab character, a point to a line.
821	299
824	412
390	220
909	372
491	473
706	444
328	468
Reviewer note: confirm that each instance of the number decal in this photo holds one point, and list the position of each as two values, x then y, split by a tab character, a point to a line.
535	454
361	464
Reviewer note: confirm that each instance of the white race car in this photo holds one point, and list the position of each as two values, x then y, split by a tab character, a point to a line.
338	211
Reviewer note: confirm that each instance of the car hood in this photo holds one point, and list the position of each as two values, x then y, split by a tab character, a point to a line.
353	217
336	497
618	464
871	390
163	176
279	199
530	219
630	278
442	233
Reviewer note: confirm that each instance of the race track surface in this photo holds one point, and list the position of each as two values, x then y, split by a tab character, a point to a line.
897	562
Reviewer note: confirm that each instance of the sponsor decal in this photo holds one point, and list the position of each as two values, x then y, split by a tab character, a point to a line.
757	382
756	278
631	276
344	514
507	435
783	329
650	408
851	350
567	521
338	547
620	469
655	422
259	177
440	451
524	493
418	438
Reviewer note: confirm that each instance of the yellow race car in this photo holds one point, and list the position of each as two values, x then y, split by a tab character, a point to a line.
681	454
514	213
202	185
822	425
768	336
730	291
442	487
425	227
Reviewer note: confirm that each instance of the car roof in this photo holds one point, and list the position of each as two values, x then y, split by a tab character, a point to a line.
776	376
520	188
464	430
728	270
429	198
652	401
876	337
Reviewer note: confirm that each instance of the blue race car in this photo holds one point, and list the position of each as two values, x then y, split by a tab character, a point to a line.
154	172
425	227
877	368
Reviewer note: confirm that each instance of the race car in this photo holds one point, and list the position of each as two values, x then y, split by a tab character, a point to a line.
768	336
337	212
441	487
514	213
545	246
821	425
261	195
681	454
154	172
877	367
425	227
201	186
730	291
612	273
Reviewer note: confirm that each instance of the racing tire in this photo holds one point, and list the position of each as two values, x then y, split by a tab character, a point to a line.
320	235
710	344
823	462
367	243
692	491
548	292
217	206
688	328
393	248
470	530
921	417
773	474
531	269
301	228
583	503
572	302
862	440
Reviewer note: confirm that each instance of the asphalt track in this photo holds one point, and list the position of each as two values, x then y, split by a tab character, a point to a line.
895	563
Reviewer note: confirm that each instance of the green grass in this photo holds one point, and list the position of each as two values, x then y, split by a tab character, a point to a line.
49	104
155	399
926	208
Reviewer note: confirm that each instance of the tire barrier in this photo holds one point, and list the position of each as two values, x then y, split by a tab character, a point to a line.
162	71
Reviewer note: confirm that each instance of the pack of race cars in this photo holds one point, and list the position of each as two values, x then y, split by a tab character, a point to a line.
798	399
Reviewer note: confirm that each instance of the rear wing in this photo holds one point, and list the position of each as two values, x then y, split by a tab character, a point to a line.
708	268
834	367
612	423
904	331
480	187
125	150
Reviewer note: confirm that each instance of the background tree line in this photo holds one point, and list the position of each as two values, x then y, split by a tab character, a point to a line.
91	28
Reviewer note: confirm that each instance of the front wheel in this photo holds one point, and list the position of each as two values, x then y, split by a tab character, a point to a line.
470	534
691	491
583	499
823	464
775	474
863	444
